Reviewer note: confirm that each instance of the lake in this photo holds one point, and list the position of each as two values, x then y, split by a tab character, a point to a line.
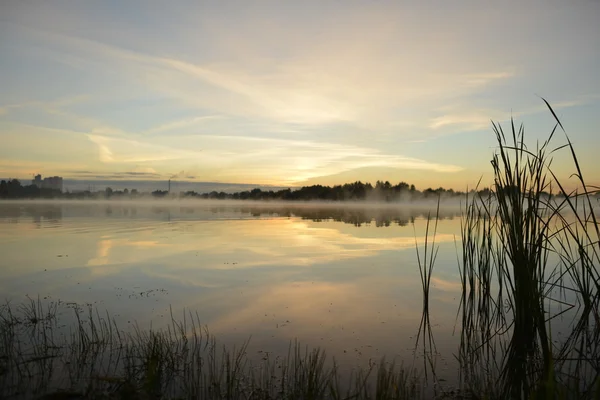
341	277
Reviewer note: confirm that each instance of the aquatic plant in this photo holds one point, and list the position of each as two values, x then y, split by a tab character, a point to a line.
523	248
94	359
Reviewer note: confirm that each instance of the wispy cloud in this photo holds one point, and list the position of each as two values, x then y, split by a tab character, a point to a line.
281	95
456	119
182	123
26	169
306	93
227	158
127	175
486	78
117	150
464	121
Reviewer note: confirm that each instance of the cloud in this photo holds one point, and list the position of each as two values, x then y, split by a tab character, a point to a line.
126	175
312	90
183	123
23	168
309	88
146	170
464	121
487	78
49	104
104	153
136	174
118	150
180	174
71	121
278	96
455	119
239	158
298	160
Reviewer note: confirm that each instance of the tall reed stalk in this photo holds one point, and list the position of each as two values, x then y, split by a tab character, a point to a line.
426	263
521	248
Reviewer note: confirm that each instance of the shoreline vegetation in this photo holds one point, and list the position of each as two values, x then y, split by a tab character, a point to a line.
523	264
381	191
94	359
13	189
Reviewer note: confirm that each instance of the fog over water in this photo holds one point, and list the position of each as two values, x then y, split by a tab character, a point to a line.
343	276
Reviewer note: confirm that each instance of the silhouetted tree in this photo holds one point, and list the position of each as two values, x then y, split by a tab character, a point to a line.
3	189
160	193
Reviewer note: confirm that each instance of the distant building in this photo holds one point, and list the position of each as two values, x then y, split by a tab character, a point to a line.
52	182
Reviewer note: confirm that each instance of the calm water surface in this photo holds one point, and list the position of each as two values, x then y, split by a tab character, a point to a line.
345	279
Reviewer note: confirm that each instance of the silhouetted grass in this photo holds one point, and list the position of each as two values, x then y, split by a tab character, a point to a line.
426	265
94	359
522	250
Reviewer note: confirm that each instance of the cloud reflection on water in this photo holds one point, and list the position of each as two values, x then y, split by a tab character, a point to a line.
276	276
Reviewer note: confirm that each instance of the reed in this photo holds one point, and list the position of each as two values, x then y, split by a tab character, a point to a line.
426	264
523	248
94	359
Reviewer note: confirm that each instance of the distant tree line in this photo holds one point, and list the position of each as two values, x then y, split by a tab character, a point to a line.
382	191
12	189
357	191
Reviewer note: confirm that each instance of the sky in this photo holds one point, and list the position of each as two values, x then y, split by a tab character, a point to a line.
290	93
